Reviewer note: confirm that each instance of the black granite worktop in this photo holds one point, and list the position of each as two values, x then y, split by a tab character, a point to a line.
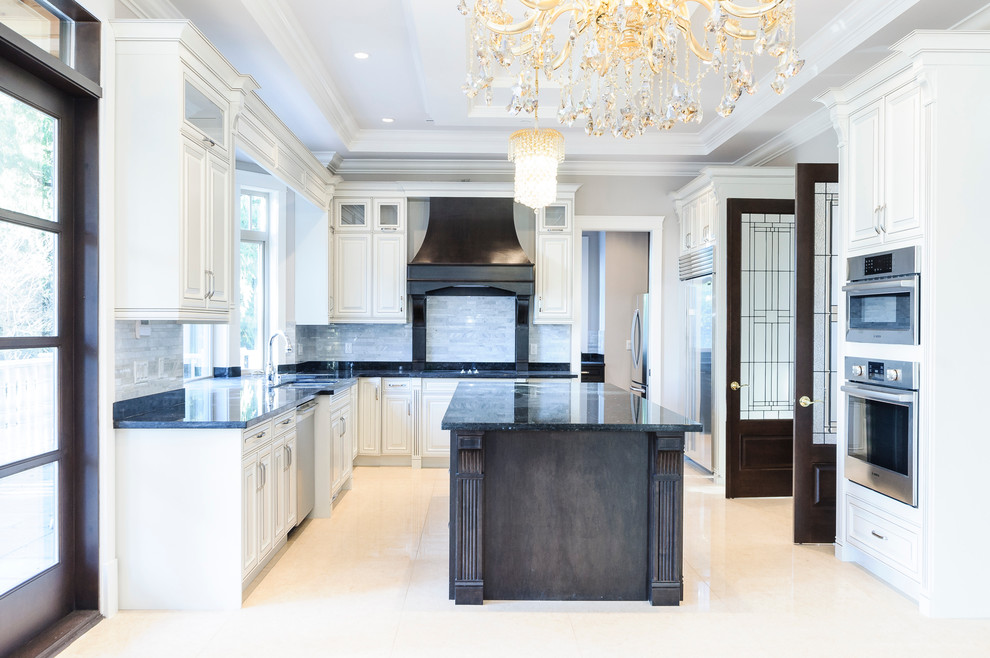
238	402
433	369
557	406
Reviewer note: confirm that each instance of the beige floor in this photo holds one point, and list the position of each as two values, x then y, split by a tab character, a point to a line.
372	581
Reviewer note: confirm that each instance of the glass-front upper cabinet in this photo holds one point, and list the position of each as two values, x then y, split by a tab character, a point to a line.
204	114
554	218
351	214
390	214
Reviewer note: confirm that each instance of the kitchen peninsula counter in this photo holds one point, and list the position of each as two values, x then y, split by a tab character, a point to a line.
564	491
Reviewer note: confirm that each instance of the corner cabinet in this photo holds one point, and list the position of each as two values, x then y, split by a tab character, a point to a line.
368	243
173	183
554	264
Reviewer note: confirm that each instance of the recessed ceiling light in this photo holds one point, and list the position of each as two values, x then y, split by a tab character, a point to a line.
388	120
361	55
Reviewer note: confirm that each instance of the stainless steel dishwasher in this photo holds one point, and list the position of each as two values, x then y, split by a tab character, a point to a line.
305	464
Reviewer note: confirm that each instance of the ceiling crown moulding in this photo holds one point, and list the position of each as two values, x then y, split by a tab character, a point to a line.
803	131
463	168
838	38
152	9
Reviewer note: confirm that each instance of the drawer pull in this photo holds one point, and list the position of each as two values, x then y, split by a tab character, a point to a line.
286	421
877	535
259	435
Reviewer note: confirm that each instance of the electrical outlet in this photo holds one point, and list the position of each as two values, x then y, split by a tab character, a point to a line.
629	346
140	371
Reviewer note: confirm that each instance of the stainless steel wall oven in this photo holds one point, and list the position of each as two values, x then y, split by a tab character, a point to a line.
882	426
882	297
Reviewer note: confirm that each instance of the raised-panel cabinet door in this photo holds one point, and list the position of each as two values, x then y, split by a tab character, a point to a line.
370	411
336	460
266	504
219	222
352	280
291	482
436	441
194	236
250	479
553	277
390	276
903	162
279	498
347	432
397	419
864	186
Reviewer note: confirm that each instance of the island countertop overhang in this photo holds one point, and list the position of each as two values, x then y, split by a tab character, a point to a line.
558	406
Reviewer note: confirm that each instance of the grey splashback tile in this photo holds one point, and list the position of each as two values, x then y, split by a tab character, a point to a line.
470	329
354	342
148	364
553	342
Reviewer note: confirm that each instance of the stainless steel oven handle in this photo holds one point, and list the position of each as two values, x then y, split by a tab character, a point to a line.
881	396
881	286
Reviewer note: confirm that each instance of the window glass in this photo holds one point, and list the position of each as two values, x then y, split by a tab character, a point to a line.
28	524
27	158
254	212
252	289
27	403
197	353
39	23
28	291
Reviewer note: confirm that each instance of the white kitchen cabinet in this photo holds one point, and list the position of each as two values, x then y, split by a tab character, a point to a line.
389	412
250	478
554	258
289	482
369	415
886	150
389	276
554	264
369	248
436	398
352	280
698	218
173	188
342	431
397	417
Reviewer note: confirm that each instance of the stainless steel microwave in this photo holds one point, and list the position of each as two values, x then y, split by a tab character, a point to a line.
882	297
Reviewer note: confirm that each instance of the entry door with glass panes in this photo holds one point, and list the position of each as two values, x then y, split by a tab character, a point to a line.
36	527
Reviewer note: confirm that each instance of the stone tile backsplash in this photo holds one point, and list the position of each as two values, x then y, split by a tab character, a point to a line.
470	329
148	364
458	329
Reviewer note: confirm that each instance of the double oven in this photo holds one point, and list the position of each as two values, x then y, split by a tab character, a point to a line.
882	307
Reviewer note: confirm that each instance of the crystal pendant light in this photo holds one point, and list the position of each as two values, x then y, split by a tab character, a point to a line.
536	153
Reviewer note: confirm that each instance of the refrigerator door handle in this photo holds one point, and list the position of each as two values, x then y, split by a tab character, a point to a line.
636	338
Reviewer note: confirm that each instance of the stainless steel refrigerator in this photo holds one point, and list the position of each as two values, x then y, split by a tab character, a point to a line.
639	334
699	300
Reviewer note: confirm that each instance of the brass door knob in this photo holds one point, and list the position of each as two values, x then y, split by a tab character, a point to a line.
735	386
805	401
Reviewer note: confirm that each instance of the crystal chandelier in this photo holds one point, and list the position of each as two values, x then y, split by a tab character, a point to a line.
624	66
536	154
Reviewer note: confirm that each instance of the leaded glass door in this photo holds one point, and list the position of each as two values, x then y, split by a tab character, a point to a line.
760	347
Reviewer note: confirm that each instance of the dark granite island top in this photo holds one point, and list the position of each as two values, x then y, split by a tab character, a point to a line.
564	491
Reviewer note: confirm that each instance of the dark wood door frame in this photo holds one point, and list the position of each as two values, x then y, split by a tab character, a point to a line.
759	454
814	465
26	614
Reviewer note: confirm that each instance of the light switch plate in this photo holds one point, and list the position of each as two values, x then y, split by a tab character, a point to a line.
140	371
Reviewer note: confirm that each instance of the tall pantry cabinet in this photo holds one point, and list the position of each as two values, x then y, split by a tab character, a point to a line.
914	149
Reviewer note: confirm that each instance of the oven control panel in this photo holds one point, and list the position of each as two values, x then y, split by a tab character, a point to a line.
894	374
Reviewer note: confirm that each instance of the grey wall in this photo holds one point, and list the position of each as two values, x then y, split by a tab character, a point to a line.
627	268
823	148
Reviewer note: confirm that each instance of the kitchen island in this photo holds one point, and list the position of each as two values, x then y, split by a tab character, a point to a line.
564	491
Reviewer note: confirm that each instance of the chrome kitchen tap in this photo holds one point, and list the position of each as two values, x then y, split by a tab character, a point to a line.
271	375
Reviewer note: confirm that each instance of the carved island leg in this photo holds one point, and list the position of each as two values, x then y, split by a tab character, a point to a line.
469	481
666	514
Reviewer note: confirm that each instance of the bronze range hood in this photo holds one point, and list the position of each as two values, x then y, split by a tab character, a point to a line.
471	249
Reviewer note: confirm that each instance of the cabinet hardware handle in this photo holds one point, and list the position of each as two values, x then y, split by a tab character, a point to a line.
209	142
261	482
409	408
877	229
376	394
286	421
402	304
343	426
877	535
259	435
288	457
